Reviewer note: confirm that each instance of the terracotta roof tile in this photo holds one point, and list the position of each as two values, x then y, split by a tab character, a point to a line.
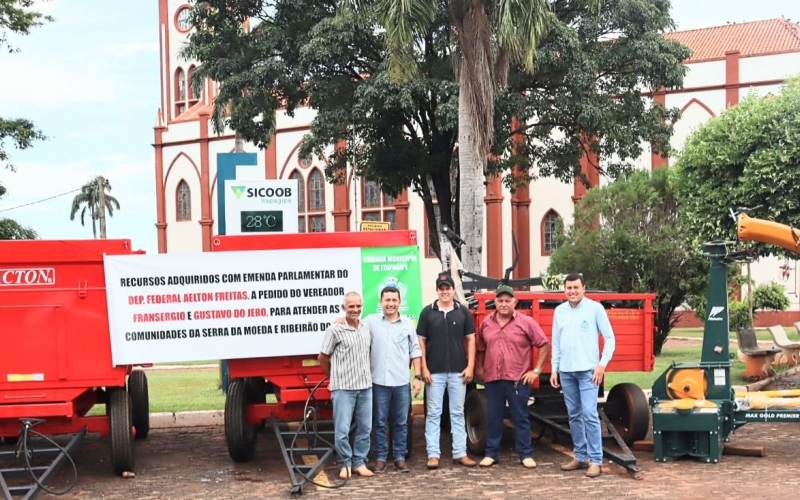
750	39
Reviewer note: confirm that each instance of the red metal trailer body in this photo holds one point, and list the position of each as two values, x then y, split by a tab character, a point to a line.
55	360
633	326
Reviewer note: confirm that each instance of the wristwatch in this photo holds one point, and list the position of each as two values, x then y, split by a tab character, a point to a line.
418	377
536	371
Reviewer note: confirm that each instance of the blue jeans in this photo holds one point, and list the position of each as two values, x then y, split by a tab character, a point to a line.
456	391
346	404
580	394
394	402
497	393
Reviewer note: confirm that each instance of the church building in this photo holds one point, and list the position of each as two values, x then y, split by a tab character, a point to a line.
727	63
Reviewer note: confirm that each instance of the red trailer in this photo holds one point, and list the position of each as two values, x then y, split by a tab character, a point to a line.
55	360
277	390
625	410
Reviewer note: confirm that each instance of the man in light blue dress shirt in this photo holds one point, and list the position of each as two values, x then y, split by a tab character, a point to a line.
578	368
394	349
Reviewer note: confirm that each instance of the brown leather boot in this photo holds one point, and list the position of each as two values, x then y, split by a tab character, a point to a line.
594	470
575	465
433	463
465	461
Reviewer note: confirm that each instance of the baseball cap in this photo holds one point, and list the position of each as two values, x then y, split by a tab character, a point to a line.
444	279
504	289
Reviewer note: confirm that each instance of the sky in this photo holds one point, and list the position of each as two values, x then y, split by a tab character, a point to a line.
90	82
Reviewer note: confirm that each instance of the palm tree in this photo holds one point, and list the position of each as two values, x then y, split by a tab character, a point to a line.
88	200
488	36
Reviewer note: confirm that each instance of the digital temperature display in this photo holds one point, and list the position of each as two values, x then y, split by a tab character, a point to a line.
262	221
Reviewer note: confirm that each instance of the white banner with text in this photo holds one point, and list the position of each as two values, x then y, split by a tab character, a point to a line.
225	305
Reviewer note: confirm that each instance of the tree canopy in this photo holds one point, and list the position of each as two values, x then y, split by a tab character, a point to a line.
12	230
747	157
88	201
589	75
626	238
19	17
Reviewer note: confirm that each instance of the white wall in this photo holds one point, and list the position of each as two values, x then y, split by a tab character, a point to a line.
182	236
704	74
772	67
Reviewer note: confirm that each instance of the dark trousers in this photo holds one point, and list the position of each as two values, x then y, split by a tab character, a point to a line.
391	405
497	394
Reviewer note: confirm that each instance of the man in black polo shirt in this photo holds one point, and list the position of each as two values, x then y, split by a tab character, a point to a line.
447	339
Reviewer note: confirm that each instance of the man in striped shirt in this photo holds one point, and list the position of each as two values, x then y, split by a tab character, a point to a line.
345	358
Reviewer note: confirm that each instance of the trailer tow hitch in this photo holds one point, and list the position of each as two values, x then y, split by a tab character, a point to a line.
45	472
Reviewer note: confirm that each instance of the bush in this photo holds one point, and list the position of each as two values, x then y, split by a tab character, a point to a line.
770	297
738	315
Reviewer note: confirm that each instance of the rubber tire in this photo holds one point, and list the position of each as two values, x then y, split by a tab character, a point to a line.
633	423
256	389
140	399
118	408
240	437
476	417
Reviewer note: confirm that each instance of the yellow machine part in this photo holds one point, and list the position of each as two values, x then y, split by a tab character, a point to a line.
687	383
761	401
784	393
751	229
687	404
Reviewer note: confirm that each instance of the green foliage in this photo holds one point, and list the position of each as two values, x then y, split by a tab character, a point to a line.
745	157
552	282
17	16
626	238
770	297
588	85
12	230
403	135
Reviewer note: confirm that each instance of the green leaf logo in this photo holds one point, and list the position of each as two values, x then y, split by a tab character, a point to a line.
238	191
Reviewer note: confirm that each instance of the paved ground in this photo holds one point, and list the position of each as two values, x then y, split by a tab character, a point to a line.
193	463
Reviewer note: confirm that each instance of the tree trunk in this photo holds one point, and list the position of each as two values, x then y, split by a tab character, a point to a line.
238	143
471	189
102	206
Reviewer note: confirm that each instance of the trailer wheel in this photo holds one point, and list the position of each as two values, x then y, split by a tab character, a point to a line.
537	431
240	436
476	415
256	389
140	400
628	411
119	413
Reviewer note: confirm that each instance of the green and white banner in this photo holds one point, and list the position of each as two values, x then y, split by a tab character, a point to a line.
392	266
229	305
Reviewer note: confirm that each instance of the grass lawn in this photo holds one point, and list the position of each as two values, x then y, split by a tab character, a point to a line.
683	354
198	389
761	334
181	390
